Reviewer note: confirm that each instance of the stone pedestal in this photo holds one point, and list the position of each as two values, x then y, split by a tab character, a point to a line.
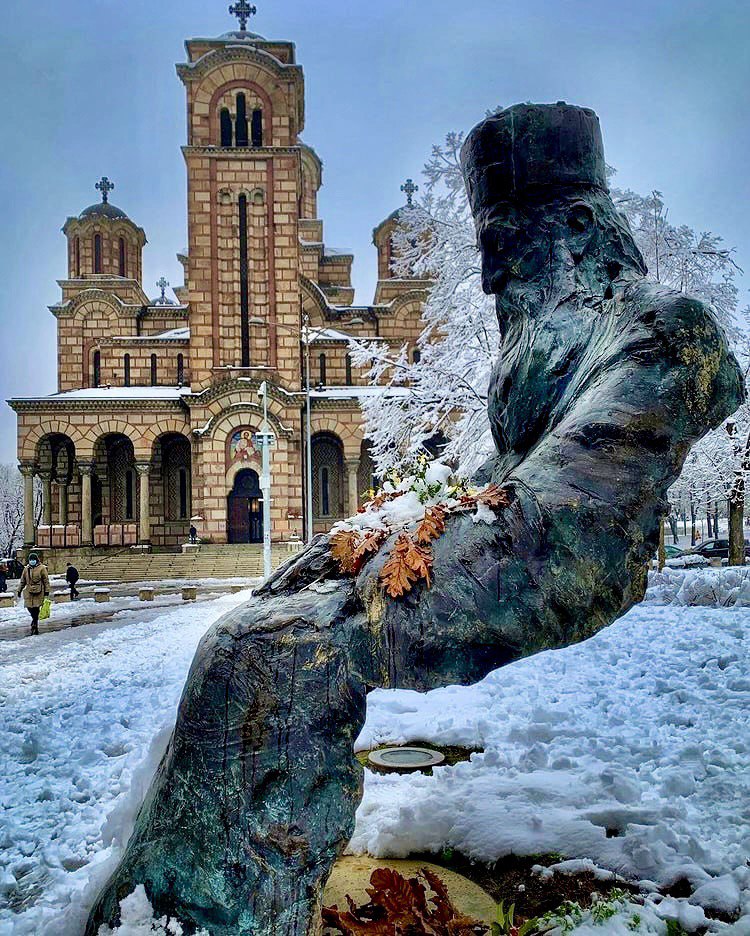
146	594
7	600
190	548
61	597
101	595
189	593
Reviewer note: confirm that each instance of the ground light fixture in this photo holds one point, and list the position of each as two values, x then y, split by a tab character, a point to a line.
404	759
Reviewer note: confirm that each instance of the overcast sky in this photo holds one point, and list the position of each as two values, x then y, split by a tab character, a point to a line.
89	88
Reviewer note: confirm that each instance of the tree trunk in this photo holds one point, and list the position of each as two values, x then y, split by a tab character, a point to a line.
662	558
737	523
716	518
693	525
673	527
709	522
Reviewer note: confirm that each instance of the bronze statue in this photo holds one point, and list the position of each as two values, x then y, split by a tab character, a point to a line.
603	382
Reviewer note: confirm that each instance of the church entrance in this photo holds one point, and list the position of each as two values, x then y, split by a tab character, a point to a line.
245	509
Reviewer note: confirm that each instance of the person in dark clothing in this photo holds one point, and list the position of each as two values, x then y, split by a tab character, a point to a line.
71	577
35	582
193	535
3	577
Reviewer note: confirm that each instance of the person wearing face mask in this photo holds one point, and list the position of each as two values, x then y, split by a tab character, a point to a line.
35	584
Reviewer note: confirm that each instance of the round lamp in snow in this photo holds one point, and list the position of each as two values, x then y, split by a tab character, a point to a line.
405	758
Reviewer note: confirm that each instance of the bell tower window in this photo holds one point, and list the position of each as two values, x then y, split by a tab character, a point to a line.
78	256
122	257
322	360
257	127
97	377
244	284
348	369
126	370
225	121
240	129
154	374
180	369
97	253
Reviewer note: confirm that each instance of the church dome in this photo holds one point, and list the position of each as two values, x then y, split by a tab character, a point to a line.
240	35
103	210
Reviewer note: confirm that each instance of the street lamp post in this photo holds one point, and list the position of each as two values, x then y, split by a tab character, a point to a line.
308	428
265	481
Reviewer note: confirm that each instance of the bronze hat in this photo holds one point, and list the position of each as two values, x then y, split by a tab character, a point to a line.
532	147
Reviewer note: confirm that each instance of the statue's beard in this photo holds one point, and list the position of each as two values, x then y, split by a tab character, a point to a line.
536	283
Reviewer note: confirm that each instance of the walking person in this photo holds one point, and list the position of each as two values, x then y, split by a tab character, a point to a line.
3	577
35	584
71	577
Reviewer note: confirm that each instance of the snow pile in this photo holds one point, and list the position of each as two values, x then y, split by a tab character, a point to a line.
630	749
728	587
137	919
85	717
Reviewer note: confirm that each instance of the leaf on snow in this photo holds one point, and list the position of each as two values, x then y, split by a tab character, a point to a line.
369	545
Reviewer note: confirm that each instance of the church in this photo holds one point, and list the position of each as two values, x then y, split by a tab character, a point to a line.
154	426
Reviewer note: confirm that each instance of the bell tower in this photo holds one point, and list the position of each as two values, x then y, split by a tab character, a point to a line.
245	107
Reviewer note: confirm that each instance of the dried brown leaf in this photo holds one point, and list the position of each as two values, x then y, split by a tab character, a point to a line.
432	526
407	563
494	496
343	546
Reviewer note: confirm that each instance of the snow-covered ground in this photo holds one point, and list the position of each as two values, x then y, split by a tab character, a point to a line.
632	749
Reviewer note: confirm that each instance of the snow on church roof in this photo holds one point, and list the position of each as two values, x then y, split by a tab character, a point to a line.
112	393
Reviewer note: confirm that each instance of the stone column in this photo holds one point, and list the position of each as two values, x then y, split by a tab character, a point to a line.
352	468
144	504
87	527
64	503
46	499
28	504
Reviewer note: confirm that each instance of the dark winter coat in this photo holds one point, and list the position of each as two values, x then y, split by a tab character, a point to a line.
72	575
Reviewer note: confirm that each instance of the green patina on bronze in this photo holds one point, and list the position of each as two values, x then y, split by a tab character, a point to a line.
603	382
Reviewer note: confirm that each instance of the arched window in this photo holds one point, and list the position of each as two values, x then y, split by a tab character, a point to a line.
180	369
97	253
328	476
257	127
322	360
126	370
225	121
78	256
122	257
183	494
97	378
129	494
348	369
416	356
240	127
153	370
325	492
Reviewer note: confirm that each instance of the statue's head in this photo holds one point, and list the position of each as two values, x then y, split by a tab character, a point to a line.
536	179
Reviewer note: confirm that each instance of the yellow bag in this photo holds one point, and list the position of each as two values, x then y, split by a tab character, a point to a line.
45	610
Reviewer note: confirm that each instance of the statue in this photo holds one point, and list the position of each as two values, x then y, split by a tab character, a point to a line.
603	382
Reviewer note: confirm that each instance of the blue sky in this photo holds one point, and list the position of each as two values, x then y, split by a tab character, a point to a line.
90	89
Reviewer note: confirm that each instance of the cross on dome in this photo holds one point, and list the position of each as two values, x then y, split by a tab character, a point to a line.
105	187
409	188
162	284
243	11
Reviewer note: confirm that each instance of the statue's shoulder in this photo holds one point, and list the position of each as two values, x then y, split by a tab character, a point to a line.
673	316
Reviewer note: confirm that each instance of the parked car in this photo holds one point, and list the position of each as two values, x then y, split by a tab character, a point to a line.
672	552
716	549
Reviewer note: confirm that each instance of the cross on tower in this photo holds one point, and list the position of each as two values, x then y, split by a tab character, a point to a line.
162	284
409	188
105	187
243	11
